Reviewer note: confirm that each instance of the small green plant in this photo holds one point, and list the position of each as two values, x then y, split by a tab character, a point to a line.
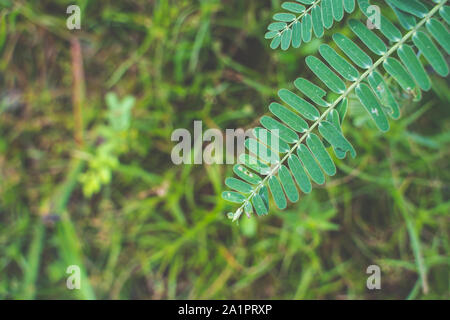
305	133
111	142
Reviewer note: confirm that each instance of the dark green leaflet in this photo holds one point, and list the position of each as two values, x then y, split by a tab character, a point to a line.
383	92
335	138
245	174
399	73
279	129
293	7
312	91
259	205
341	65
310	164
254	164
286	39
296	34
352	51
300	105
238	185
299	174
232	196
431	53
327	13
288	117
414	66
306	28
440	33
320	153
328	77
277	192
288	184
370	39
413	7
270	140
338	9
261	151
373	106
349	5
316	15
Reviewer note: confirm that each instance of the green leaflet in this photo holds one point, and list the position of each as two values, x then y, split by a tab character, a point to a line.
271	34
264	193
338	9
328	77
373	106
316	15
277	192
300	105
261	151
320	153
299	174
445	13
259	205
349	6
288	117
286	38
407	21
334	118
306	28
413	7
238	185
277	26
440	33
248	209
389	30
352	51
414	66
279	129
232	196
370	39
284	17
383	92
341	109
399	73
245	174
306	1
254	164
327	13
310	164
275	42
270	140
312	91
293	7
339	64
296	34
288	184
431	53
335	138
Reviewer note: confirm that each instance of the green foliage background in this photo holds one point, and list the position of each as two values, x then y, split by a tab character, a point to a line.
143	228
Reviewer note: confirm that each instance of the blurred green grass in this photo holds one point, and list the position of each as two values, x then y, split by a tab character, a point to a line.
159	231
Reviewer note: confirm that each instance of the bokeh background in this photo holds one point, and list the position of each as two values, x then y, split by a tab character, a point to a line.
86	176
